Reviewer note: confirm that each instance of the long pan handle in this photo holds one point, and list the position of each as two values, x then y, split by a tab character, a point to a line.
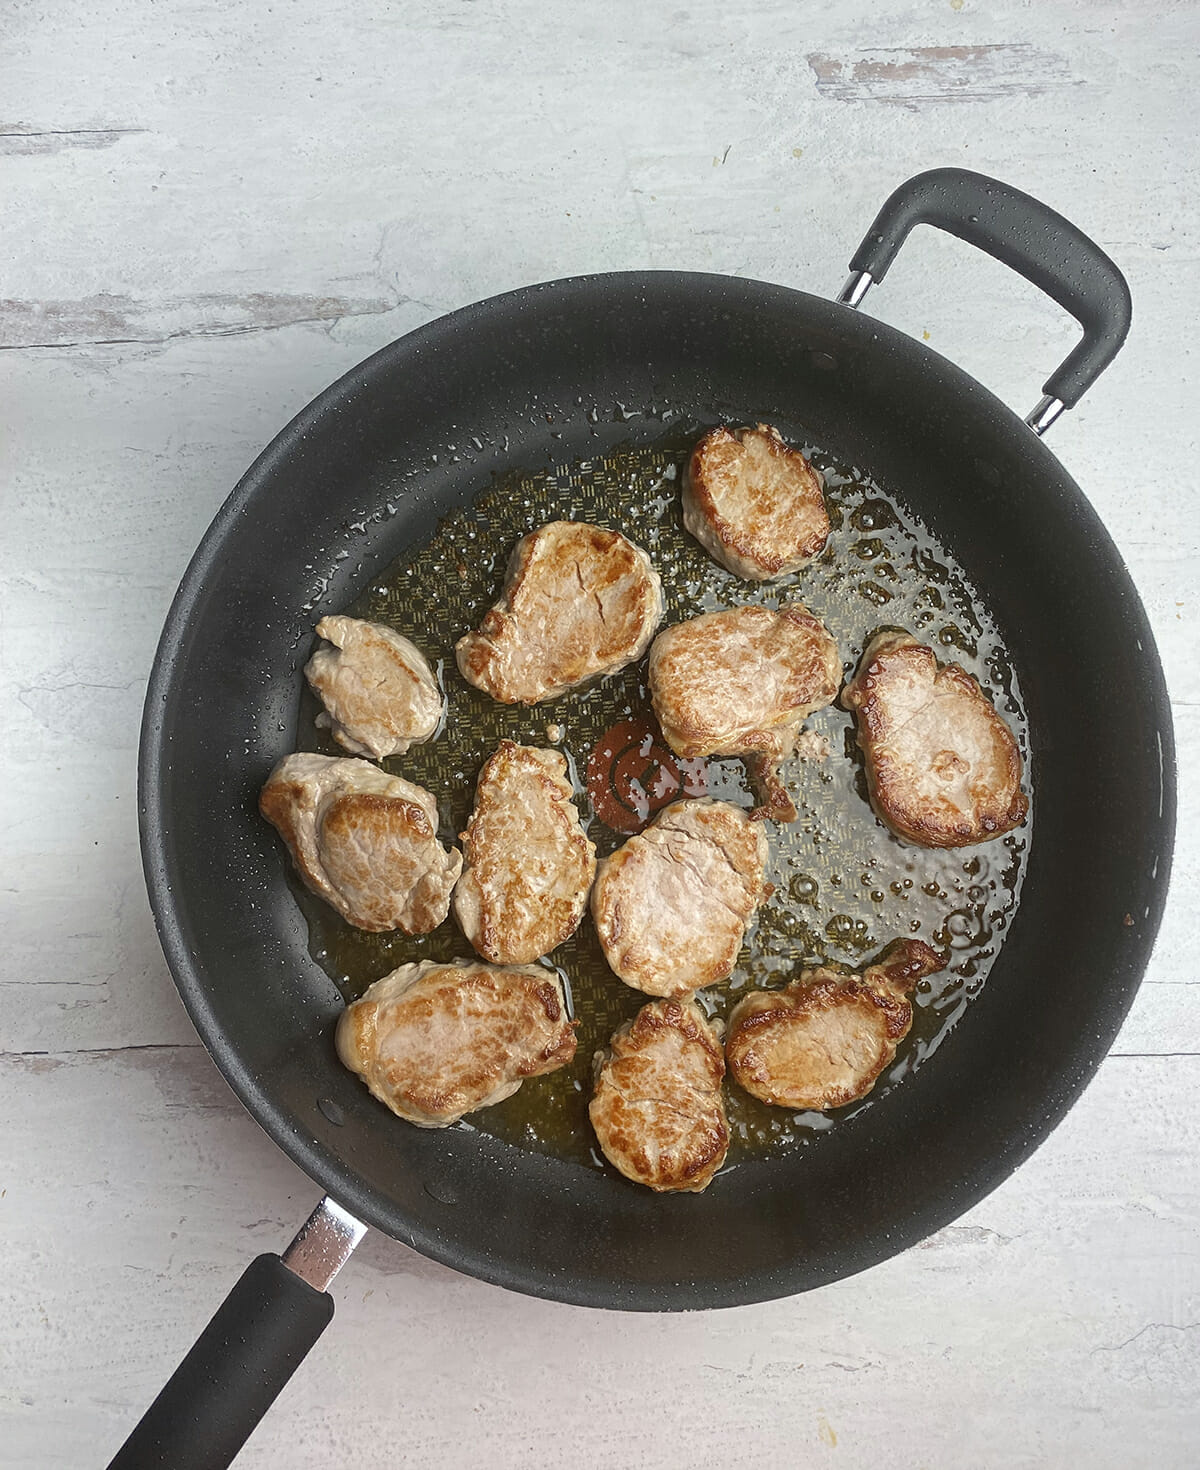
259	1336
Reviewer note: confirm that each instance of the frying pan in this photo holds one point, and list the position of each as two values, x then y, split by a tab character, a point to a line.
514	382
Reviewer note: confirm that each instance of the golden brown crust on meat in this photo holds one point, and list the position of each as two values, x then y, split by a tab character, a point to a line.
362	840
528	864
434	1042
657	1107
369	814
374	845
378	690
579	601
775	802
671	905
903	963
280	801
741	681
943	768
754	504
822	1041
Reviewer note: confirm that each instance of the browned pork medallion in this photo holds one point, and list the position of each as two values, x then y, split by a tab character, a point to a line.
943	768
823	1041
657	1107
379	692
528	865
754	504
672	904
434	1042
742	682
578	601
362	840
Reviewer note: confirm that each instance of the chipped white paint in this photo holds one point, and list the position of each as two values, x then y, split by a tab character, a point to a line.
923	75
107	320
212	211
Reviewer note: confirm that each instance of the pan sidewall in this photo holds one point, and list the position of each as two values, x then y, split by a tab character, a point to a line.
545	376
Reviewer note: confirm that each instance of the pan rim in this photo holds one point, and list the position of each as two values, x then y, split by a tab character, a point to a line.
321	1164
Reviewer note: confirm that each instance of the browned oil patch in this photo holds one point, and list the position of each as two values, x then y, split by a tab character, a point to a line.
843	885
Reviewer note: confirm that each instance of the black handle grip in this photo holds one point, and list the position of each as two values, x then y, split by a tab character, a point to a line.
1026	235
259	1337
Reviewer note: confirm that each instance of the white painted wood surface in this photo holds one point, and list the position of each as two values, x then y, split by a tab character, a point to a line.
209	212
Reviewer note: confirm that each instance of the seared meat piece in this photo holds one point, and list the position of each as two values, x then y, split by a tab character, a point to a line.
943	768
754	504
364	841
379	693
823	1041
657	1107
528	865
578	601
671	906
434	1041
742	682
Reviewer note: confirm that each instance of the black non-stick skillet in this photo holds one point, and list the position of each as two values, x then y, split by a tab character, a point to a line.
364	472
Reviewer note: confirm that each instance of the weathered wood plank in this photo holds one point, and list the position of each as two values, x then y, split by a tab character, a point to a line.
106	320
924	75
210	213
19	140
1071	1292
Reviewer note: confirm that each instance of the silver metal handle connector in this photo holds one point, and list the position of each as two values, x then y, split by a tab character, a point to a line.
1044	414
855	288
324	1245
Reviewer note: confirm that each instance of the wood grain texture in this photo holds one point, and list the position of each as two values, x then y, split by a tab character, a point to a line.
927	75
17	140
213	211
105	320
168	1186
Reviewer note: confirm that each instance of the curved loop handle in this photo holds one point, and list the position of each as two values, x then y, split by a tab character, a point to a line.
1029	237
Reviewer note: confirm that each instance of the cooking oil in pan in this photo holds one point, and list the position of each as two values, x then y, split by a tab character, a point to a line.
843	885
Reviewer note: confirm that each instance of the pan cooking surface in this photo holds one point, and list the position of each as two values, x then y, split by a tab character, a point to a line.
844	886
224	704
